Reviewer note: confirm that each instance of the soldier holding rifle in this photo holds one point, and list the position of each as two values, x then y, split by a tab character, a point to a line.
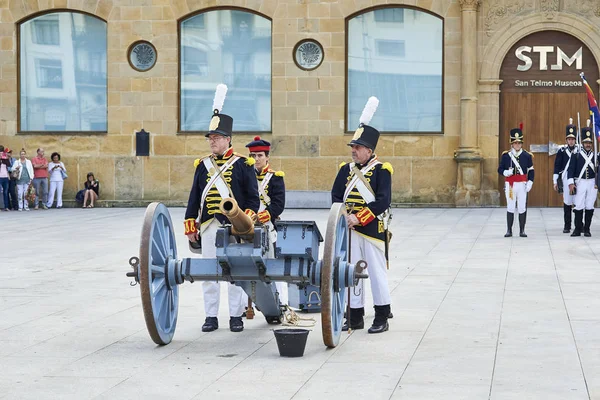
582	182
561	170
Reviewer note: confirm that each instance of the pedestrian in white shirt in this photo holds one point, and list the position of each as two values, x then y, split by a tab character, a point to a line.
57	174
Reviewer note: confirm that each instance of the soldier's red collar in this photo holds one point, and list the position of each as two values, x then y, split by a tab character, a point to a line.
225	155
265	169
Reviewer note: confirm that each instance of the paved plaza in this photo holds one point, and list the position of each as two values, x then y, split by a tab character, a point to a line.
476	316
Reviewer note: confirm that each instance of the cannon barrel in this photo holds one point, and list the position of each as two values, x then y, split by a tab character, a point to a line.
242	224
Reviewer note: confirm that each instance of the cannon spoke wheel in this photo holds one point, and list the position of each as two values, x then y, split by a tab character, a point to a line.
159	301
332	296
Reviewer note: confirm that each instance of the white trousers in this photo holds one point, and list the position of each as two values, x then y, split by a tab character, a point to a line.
568	198
586	194
363	249
212	290
519	197
55	186
21	190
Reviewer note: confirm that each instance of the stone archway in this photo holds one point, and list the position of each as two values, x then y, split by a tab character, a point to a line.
500	43
489	81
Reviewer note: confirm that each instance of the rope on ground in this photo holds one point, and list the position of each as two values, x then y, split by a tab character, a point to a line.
291	318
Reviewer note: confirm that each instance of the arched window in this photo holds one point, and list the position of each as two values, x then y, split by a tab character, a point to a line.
62	73
396	54
225	46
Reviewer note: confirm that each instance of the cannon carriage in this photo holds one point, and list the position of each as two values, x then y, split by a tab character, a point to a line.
243	261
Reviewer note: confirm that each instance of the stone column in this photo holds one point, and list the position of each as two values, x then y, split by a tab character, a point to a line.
468	155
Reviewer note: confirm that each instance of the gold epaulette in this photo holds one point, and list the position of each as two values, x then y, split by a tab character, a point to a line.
531	154
279	173
341	165
197	161
505	152
387	166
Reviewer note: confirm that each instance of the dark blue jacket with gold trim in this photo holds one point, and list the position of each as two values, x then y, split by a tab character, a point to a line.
275	189
380	179
241	179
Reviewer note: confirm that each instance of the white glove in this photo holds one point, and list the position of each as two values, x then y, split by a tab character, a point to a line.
555	179
508	172
529	185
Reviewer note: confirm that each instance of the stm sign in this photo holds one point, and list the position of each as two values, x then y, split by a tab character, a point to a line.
546	52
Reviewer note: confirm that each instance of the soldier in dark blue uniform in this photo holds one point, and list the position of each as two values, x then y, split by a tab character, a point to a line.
365	186
582	183
516	165
219	175
271	189
561	168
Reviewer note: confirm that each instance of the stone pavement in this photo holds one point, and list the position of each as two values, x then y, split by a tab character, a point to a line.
477	316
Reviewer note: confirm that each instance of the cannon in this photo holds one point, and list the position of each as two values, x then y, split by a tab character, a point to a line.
243	262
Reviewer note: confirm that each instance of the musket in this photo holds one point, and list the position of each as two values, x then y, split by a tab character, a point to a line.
578	132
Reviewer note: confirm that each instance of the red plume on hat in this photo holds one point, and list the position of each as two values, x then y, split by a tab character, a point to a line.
520	125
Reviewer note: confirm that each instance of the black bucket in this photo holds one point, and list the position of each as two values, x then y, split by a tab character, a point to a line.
291	342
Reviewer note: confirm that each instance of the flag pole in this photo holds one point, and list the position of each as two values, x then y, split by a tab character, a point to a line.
595	149
595	141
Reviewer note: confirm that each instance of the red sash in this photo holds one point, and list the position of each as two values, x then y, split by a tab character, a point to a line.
516	178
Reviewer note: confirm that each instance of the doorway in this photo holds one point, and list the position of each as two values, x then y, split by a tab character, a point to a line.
542	89
544	117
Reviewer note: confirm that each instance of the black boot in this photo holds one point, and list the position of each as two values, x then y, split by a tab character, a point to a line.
236	324
588	222
522	219
380	323
510	218
567	213
210	324
578	223
356	319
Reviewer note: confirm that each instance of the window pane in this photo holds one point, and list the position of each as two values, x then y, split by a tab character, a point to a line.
232	47
396	55
63	73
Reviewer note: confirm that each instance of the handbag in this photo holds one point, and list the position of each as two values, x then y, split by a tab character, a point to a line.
30	194
14	174
64	174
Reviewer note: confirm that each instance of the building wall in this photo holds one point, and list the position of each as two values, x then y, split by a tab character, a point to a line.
308	107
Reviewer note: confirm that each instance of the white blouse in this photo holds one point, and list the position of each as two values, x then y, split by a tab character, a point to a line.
55	175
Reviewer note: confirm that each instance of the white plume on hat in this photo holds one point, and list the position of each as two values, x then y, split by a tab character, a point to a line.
369	110
589	122
220	94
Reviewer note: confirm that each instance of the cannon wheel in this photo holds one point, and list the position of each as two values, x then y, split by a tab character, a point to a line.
332	297
159	301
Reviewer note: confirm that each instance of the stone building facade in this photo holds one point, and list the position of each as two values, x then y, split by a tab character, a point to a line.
309	128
